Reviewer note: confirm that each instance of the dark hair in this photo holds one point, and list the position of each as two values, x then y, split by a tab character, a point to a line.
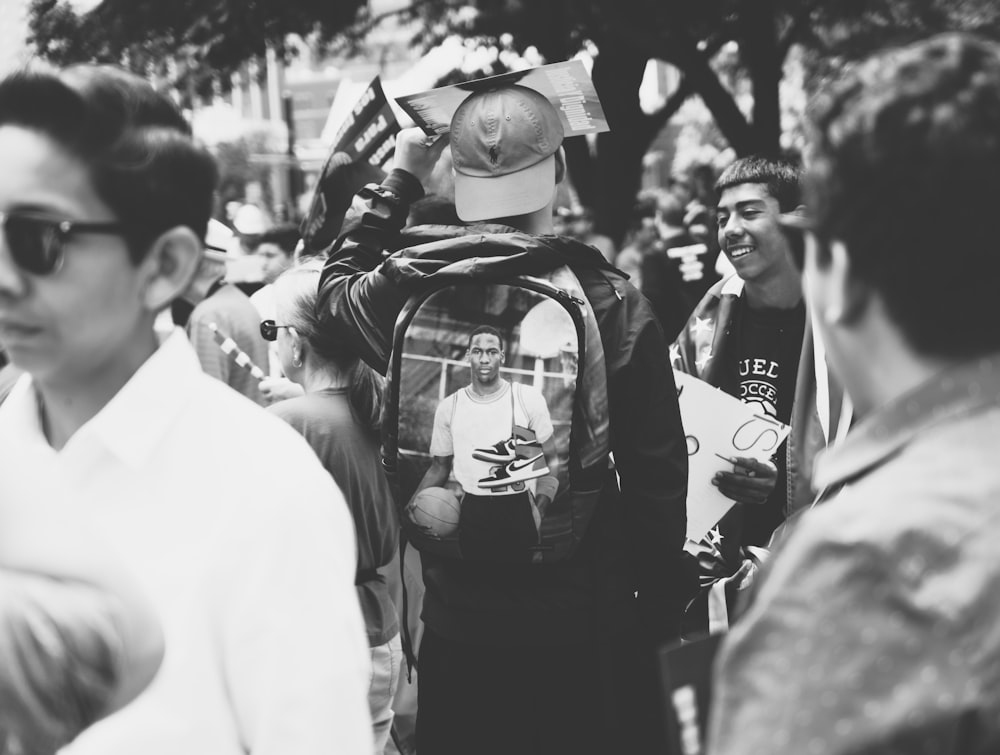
672	210
295	293
433	209
138	148
779	176
488	330
284	236
645	204
905	170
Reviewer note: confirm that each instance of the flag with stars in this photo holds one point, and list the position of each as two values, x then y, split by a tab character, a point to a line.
706	332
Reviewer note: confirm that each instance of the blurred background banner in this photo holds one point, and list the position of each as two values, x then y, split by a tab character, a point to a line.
369	132
364	142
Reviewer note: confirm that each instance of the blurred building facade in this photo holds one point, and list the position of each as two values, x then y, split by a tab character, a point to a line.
14	50
294	101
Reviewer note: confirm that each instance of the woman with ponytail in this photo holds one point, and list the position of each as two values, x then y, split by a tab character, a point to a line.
339	416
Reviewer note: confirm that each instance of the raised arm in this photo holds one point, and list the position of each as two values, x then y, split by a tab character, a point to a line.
355	299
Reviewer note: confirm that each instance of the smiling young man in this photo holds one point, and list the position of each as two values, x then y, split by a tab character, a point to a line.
746	337
104	202
874	627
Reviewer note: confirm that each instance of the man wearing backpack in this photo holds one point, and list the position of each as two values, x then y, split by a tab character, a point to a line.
532	658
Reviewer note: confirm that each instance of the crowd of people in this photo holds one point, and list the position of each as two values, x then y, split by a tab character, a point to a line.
206	493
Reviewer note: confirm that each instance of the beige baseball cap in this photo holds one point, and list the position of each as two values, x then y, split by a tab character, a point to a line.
503	145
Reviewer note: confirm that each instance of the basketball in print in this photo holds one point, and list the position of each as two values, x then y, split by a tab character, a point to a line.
435	509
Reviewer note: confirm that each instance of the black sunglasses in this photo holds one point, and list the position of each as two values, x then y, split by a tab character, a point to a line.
269	330
36	242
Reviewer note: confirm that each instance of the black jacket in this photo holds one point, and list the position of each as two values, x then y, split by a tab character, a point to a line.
633	544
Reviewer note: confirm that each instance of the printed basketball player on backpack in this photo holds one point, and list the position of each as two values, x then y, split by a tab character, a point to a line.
494	435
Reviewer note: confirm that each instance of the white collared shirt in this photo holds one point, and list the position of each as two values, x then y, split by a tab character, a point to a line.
246	548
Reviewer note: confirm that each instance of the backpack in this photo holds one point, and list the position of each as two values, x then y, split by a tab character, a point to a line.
542	423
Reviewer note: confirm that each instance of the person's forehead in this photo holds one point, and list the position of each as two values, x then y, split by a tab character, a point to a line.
745	194
485	340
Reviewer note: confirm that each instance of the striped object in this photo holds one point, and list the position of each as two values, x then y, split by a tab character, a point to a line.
229	347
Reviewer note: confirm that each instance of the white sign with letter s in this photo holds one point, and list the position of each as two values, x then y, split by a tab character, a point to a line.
718	427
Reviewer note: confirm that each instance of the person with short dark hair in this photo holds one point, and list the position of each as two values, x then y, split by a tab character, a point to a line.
276	247
104	203
873	629
746	338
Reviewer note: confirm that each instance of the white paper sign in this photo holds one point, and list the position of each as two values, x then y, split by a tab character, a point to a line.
719	427
567	85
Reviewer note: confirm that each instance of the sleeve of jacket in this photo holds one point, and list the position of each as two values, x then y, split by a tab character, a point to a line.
651	456
842	652
356	300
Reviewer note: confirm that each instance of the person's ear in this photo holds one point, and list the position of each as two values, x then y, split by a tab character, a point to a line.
560	165
847	296
298	347
169	267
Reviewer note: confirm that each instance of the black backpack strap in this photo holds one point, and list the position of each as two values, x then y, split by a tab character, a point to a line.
405	639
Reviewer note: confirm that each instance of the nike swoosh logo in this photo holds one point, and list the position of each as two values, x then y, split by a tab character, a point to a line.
515	467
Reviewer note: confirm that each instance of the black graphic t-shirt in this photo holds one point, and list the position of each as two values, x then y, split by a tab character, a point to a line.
767	350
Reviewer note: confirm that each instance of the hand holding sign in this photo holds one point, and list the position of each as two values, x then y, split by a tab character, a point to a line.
752	481
726	440
417	153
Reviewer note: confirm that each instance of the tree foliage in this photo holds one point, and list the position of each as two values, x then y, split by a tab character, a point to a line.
201	40
188	44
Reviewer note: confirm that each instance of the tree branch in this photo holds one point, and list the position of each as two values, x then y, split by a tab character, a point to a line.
684	88
720	102
785	42
677	98
363	28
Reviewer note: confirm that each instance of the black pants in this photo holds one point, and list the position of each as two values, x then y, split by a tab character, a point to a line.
574	699
497	528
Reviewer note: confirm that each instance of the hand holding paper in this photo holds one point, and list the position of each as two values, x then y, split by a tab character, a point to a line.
751	481
726	439
417	153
